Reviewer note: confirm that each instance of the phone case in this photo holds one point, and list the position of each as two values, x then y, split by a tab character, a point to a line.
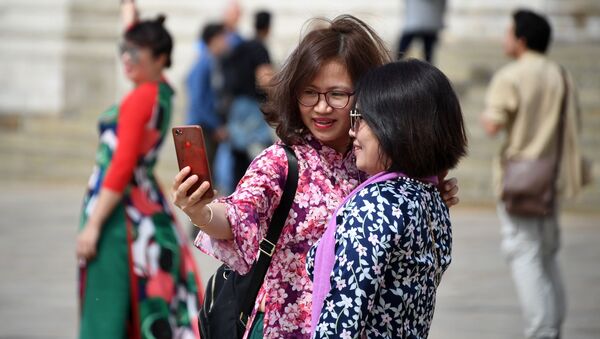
191	151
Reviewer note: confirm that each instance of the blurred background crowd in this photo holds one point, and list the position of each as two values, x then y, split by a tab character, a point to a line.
60	67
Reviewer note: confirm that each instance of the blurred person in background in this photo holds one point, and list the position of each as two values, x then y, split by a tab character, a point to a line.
423	19
249	132
222	161
524	99
137	276
309	102
226	71
202	88
231	19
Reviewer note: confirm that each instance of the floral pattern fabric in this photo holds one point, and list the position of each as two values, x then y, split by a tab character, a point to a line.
325	178
384	280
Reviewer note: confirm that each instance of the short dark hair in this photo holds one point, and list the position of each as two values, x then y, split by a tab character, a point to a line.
262	20
153	35
414	113
211	30
533	28
346	39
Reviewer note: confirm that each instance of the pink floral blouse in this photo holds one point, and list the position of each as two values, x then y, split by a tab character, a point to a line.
325	177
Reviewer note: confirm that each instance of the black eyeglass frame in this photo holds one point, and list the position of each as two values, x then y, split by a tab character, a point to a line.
327	98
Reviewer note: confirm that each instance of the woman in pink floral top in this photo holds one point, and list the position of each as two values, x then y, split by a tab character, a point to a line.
309	105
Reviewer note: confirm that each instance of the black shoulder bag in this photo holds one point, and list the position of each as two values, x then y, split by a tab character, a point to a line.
230	296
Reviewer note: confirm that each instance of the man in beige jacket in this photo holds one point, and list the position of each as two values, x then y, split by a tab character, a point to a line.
524	99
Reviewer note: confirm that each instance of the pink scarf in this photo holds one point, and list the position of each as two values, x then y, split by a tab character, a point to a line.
325	255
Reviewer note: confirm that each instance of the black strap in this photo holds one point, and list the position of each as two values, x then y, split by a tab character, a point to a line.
560	131
267	244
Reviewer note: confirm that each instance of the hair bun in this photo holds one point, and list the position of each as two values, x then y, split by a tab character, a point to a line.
160	19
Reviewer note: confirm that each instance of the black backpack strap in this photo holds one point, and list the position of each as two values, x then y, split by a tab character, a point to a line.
268	243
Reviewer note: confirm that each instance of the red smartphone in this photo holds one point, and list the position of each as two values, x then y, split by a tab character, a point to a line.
191	151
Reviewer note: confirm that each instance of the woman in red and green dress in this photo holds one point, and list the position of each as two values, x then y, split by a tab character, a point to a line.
137	277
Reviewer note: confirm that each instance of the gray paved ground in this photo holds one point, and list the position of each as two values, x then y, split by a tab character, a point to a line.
476	299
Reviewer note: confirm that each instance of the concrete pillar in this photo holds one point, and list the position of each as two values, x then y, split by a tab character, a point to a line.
90	57
57	56
31	56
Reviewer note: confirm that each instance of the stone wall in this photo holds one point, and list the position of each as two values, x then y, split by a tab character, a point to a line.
58	57
31	65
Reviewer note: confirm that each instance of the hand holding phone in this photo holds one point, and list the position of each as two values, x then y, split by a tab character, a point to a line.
191	151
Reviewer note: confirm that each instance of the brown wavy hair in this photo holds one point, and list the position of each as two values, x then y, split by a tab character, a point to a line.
345	39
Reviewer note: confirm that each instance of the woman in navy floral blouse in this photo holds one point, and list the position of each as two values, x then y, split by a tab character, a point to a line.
376	270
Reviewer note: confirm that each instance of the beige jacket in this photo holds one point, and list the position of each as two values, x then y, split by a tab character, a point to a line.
525	97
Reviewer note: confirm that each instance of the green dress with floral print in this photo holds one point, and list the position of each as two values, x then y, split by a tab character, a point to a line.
143	281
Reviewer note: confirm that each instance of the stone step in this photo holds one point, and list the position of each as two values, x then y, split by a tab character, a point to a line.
57	149
59	161
476	61
57	137
72	138
476	187
28	145
74	165
473	94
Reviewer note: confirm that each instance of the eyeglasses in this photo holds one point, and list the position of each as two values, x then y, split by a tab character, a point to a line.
132	50
355	118
334	98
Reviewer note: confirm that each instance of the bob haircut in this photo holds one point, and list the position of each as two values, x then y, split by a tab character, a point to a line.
414	113
347	40
153	35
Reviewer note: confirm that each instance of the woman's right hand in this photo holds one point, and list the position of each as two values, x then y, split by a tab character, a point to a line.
193	205
87	242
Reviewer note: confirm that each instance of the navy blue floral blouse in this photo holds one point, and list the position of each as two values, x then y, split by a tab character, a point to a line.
393	243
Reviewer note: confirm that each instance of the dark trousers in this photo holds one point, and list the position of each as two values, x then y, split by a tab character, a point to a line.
429	41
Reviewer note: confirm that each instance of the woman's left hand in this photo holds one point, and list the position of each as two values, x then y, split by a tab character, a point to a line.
87	242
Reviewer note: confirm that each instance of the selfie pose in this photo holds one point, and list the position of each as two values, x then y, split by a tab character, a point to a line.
378	265
137	277
308	102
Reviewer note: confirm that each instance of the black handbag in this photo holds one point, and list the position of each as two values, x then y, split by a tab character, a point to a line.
230	296
529	185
